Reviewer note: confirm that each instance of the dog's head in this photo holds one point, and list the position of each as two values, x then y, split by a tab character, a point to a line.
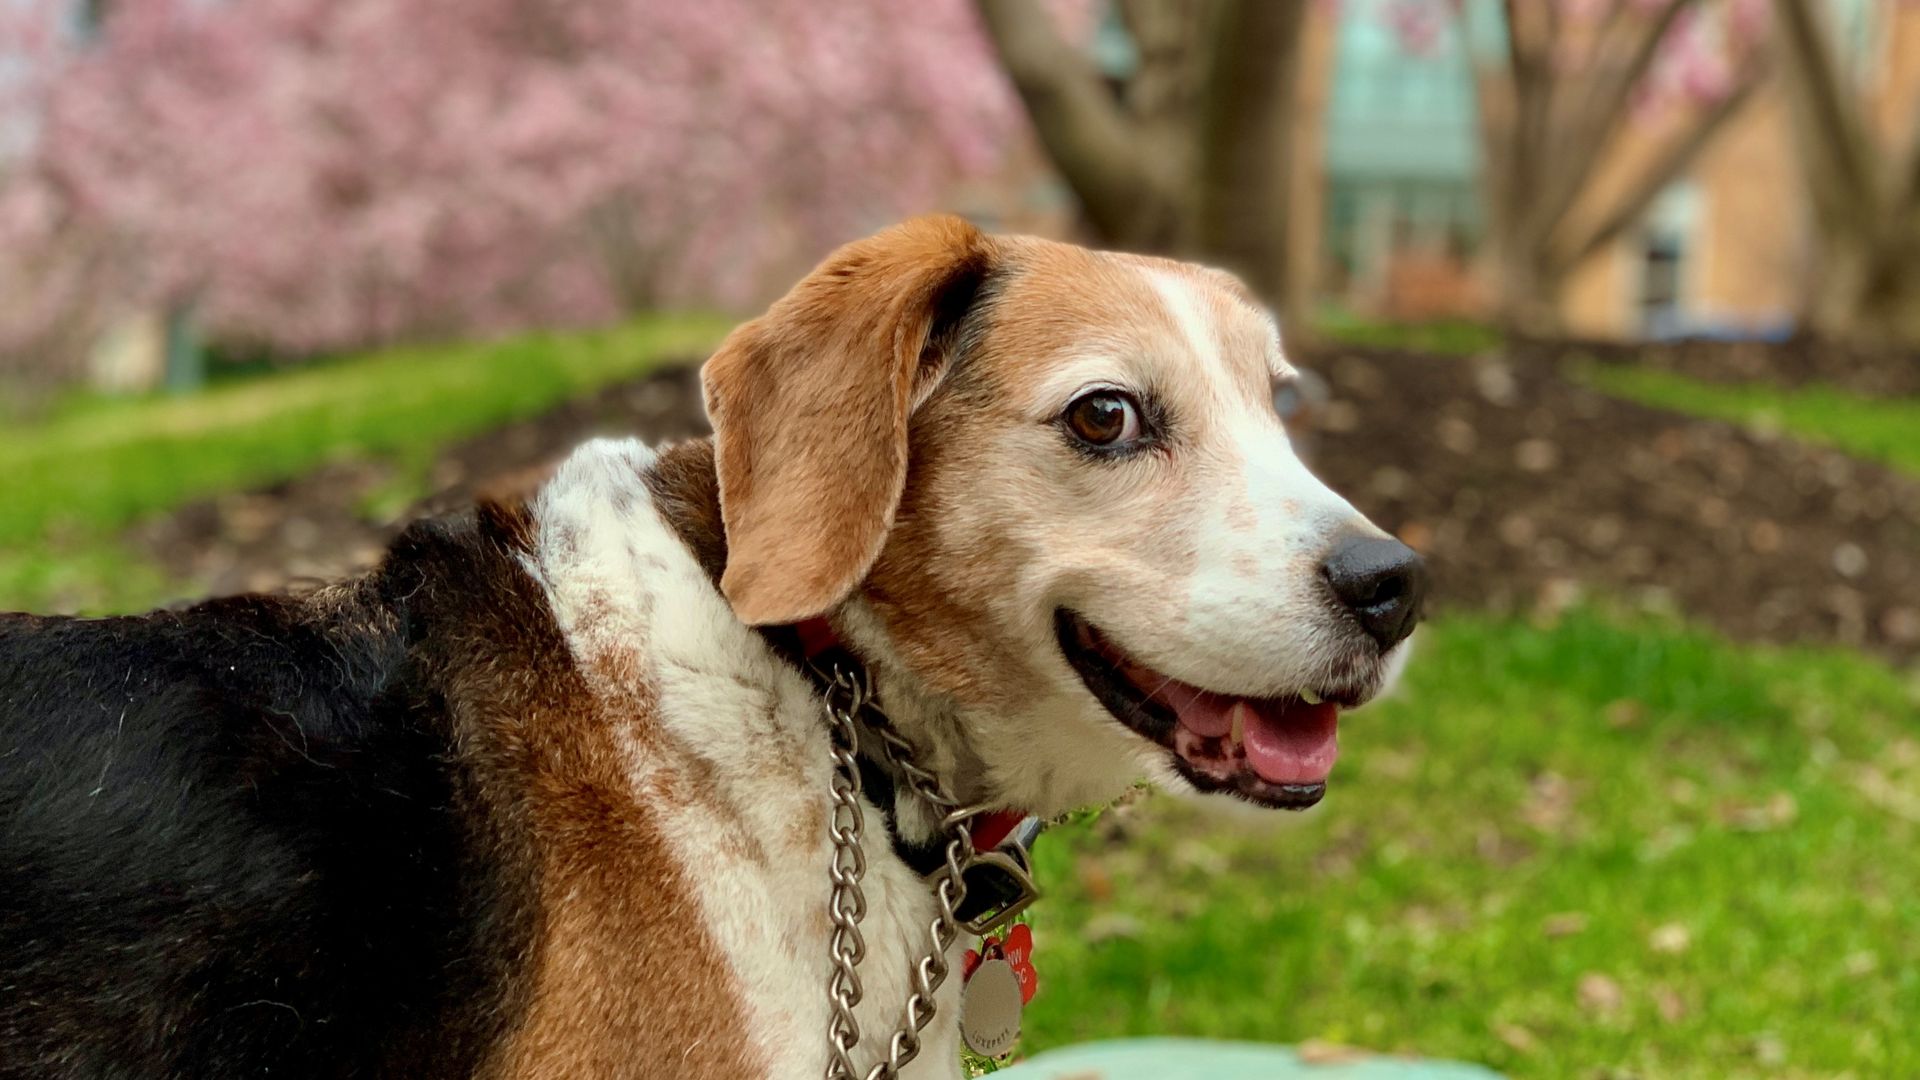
1049	483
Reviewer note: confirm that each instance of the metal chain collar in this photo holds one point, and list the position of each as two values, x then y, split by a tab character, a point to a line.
846	694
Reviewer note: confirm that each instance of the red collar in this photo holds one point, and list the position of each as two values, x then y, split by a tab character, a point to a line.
989	830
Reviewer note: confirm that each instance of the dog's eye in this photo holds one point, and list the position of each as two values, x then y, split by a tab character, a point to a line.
1104	418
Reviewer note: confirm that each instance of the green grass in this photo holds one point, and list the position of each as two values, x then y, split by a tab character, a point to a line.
1880	429
77	476
1444	337
1717	842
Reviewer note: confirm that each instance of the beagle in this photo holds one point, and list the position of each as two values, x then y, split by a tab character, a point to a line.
547	794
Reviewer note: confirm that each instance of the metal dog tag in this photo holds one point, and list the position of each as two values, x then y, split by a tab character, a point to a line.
990	1009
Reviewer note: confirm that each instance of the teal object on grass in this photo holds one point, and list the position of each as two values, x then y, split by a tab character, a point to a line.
1201	1059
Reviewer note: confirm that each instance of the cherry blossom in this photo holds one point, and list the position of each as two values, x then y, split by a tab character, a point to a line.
312	174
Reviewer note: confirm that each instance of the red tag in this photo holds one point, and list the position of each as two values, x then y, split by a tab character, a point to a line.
1019	948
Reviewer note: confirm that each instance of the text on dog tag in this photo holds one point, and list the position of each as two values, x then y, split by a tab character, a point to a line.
990	1009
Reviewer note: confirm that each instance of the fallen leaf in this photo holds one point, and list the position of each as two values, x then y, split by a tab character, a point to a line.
1322	1052
1549	804
1564	924
1887	794
1536	455
1625	713
1111	926
1517	1037
1672	1007
1600	993
1778	811
1095	879
1670	938
1339	416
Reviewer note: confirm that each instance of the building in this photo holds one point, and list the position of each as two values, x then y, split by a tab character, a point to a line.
1724	251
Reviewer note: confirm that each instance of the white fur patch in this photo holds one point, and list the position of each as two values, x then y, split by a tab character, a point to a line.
745	734
1188	314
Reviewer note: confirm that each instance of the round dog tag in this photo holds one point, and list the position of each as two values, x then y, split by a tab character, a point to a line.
990	1009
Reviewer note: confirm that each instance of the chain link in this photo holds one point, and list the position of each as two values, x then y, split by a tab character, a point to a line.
848	905
847	693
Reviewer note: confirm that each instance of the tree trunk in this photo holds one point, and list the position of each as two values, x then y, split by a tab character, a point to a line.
1242	189
1548	125
1192	157
1124	193
1866	288
1531	289
186	357
1865	284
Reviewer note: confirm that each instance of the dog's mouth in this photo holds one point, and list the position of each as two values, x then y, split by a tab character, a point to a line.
1274	751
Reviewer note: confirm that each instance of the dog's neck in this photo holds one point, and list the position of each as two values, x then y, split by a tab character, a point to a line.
686	491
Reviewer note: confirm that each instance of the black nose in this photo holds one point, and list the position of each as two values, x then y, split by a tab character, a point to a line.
1382	582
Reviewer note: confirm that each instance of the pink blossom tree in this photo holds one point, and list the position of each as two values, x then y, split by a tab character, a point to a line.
1561	88
311	174
48	261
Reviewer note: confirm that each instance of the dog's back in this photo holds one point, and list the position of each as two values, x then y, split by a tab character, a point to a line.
241	840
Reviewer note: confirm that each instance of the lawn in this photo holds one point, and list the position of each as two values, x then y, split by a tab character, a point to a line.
1442	337
97	464
1879	429
1605	844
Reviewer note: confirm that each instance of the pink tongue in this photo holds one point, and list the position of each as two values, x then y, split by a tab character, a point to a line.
1292	743
1199	712
1288	742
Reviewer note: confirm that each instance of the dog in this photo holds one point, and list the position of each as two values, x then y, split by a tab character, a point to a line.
549	792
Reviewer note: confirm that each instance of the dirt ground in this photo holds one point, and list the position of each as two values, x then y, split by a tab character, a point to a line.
1797	362
312	528
1524	489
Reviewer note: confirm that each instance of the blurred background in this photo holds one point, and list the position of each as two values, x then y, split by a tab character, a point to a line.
1614	307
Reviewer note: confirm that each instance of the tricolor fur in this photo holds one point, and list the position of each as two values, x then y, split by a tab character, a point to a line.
546	794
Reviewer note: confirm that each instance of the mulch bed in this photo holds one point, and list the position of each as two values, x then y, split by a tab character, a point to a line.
1526	490
1793	363
306	530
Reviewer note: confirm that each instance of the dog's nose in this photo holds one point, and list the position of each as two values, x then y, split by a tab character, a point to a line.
1382	582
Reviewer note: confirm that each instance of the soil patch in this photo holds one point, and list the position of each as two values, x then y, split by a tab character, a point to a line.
316	528
1524	489
1797	362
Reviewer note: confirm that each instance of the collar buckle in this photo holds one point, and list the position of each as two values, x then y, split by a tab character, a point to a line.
1000	887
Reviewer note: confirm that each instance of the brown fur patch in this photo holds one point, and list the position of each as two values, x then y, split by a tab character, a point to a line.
686	491
610	900
937	583
810	405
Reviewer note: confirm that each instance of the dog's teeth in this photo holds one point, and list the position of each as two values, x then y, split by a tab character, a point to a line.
1239	726
1309	697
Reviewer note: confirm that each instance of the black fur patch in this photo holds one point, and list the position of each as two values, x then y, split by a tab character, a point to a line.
260	837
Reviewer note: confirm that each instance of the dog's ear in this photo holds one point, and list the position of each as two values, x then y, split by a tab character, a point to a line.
810	404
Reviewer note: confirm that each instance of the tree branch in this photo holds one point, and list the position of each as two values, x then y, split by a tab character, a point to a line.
1590	130
1126	199
1246	135
1676	159
1830	117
